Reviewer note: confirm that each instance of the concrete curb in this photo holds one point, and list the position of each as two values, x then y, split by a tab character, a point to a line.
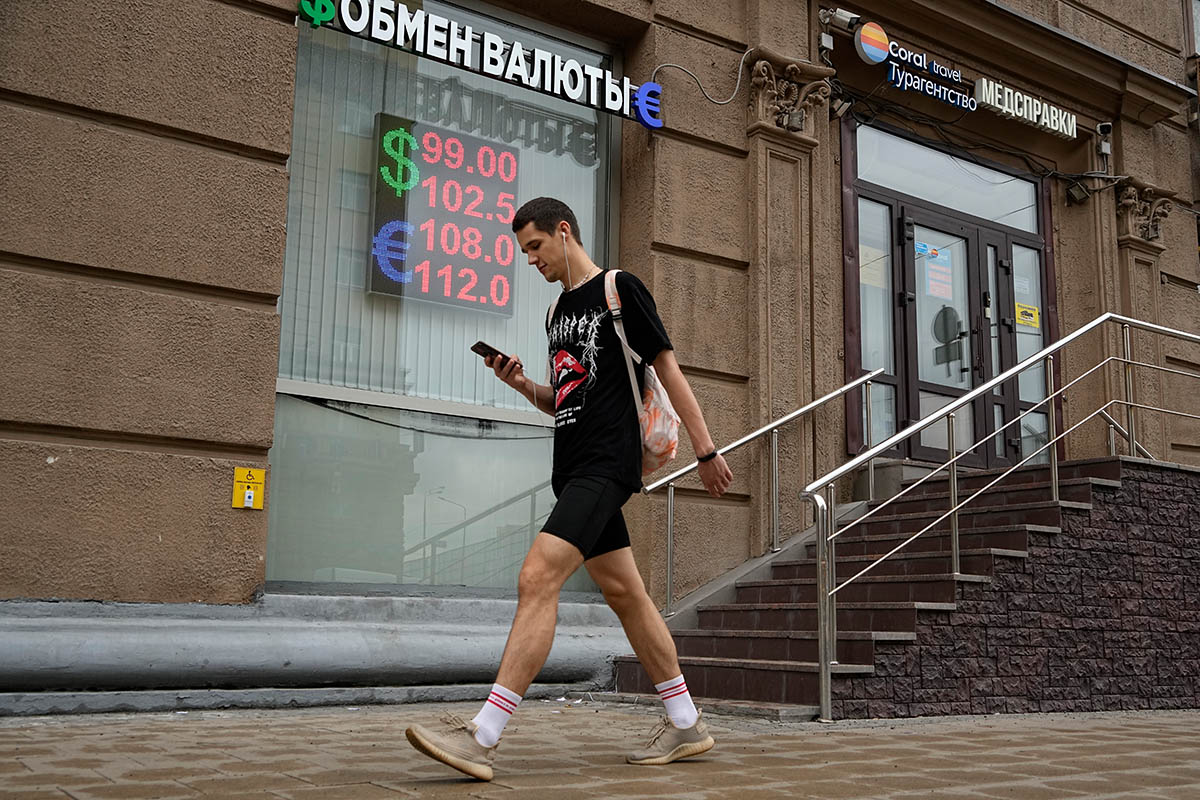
288	642
18	704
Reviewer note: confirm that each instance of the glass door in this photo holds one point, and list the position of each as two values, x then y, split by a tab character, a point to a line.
940	313
945	259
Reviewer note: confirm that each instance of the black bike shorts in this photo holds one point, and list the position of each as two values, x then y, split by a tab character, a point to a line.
588	515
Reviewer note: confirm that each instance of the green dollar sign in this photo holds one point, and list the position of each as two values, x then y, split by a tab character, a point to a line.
402	163
318	12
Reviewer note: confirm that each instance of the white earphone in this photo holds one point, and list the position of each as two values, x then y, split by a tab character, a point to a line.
570	282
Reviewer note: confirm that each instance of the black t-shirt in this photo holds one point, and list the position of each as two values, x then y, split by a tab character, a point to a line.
596	431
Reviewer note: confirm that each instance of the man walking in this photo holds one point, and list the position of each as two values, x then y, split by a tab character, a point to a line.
597	467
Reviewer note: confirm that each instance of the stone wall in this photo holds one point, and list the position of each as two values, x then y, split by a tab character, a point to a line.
1102	616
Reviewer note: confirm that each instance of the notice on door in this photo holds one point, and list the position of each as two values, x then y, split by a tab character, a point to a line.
1029	316
939	272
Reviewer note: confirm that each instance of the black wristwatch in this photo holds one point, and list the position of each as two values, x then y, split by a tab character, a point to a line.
708	457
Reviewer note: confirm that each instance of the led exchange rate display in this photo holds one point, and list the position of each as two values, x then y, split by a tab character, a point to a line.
443	205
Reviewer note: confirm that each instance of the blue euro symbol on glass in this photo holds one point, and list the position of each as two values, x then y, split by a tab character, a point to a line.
388	250
647	104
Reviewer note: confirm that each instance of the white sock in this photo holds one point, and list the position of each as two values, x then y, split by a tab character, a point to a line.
495	714
678	700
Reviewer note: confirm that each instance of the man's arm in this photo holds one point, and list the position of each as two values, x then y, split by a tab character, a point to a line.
513	373
715	474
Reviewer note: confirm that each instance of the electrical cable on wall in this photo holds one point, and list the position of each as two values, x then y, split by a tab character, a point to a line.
736	88
328	405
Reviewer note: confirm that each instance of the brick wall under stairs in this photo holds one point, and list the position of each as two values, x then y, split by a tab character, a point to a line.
1088	603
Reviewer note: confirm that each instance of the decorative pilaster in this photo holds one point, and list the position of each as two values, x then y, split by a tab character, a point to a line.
1141	209
784	92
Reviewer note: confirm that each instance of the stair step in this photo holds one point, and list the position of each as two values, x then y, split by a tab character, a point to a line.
920	499
758	709
764	664
1009	537
977	561
772	681
854	647
857	616
1108	469
1046	512
869	588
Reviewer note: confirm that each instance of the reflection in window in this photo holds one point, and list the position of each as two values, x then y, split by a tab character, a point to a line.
943	330
883	413
875	285
936	434
1029	319
1196	26
905	166
363	494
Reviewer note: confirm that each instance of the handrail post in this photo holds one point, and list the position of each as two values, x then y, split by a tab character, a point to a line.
870	440
1129	391
775	491
1051	428
1112	440
670	548
824	667
954	563
831	569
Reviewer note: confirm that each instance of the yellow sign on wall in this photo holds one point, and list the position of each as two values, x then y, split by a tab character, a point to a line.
249	487
1029	316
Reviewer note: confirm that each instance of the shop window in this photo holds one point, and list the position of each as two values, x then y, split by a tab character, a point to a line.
389	423
362	494
1194	25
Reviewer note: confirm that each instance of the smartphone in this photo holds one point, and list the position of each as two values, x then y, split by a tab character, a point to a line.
484	349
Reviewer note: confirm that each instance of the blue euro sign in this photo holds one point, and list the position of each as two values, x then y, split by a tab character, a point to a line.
386	250
647	104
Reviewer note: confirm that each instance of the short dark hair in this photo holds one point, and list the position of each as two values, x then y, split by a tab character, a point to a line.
545	213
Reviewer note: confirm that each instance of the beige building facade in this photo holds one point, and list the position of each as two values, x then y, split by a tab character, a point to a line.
242	239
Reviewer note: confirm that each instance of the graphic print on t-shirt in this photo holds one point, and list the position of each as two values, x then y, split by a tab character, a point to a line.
568	373
574	340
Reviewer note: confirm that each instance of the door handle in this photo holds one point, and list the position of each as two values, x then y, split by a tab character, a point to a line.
905	298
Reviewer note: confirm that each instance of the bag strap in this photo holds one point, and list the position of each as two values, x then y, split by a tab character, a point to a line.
549	318
613	298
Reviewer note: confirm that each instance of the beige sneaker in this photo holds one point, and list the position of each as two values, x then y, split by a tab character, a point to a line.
455	747
668	743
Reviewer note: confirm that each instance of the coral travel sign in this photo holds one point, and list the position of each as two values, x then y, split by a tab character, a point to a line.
913	71
434	36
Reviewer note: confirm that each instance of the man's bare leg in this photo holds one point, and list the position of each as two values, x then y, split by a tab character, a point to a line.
469	748
550	562
617	576
687	735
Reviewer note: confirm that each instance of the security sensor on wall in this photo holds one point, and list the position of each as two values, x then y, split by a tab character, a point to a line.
839	18
1105	130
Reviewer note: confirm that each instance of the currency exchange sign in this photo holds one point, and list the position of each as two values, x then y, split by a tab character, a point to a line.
443	205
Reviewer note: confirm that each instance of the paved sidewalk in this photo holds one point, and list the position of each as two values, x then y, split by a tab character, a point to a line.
565	750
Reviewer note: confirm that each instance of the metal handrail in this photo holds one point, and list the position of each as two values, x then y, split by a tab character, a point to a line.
530	493
821	491
966	399
773	429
